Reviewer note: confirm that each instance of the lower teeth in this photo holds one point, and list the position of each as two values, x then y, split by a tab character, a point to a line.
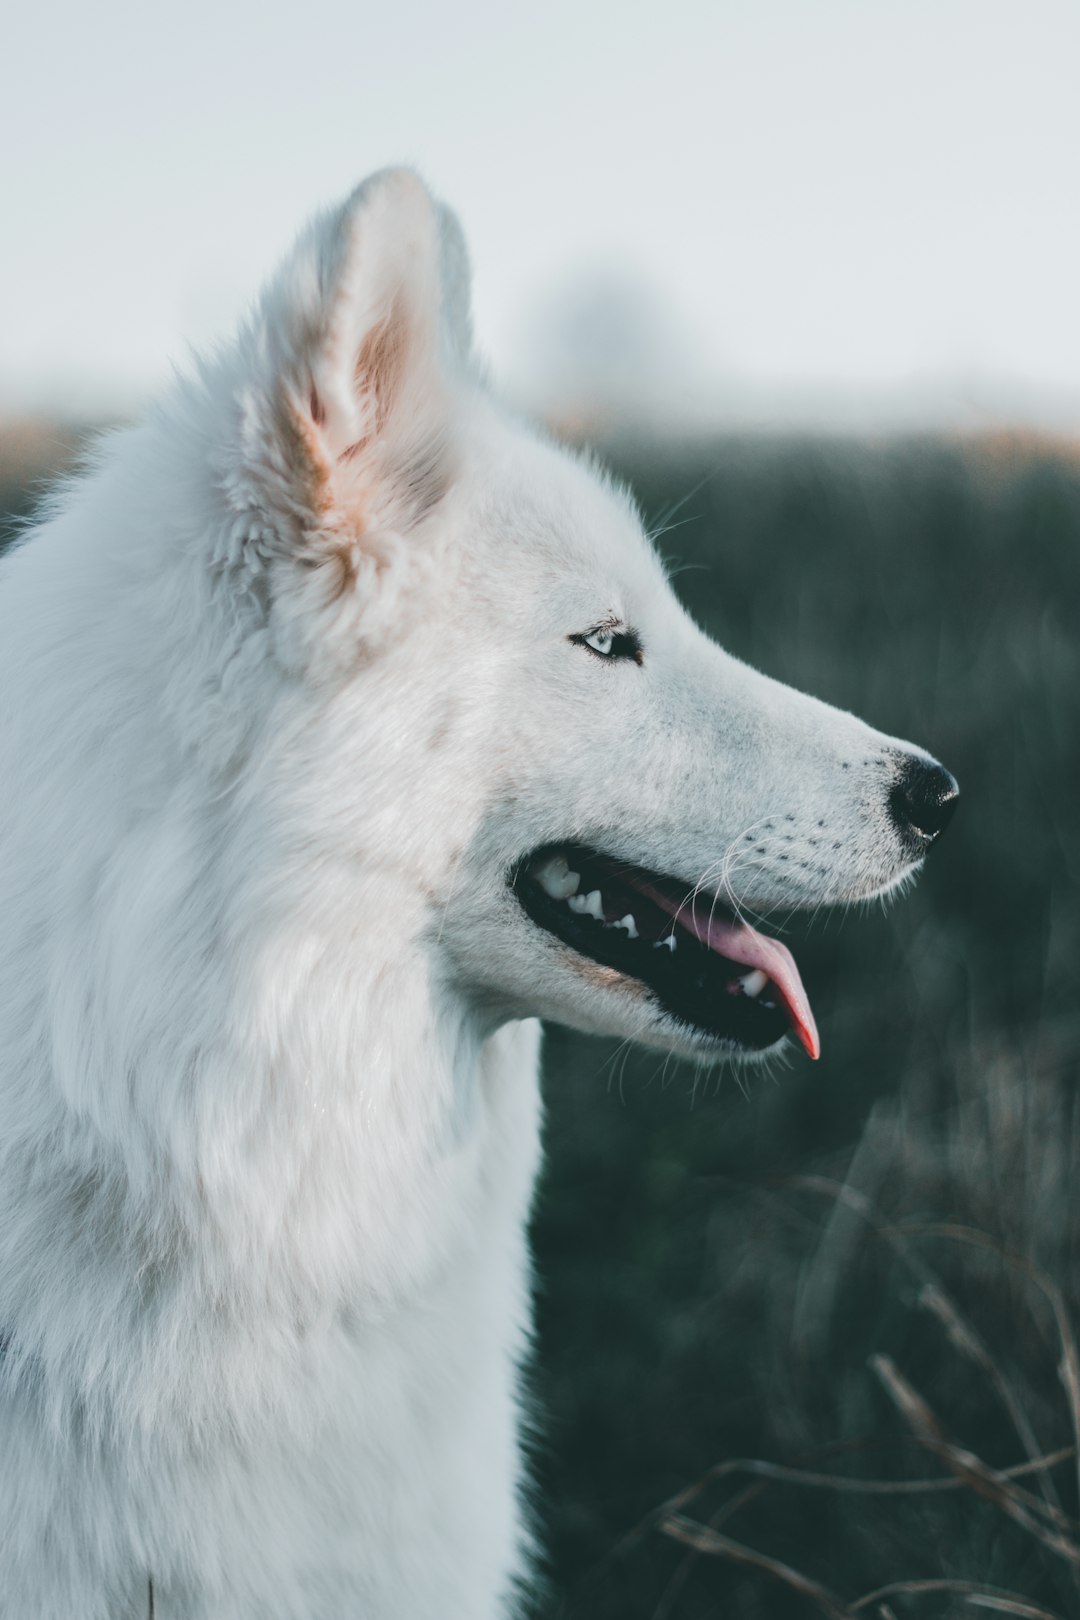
753	983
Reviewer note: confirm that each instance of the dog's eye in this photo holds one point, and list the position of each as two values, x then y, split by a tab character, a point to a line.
609	642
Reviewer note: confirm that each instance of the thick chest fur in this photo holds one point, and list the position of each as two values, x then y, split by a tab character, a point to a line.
382	1482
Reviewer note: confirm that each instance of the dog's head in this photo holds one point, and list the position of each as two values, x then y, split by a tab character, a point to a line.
518	750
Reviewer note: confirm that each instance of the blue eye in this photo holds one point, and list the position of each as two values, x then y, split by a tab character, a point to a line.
609	642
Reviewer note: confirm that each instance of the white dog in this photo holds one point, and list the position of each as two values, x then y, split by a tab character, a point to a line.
347	727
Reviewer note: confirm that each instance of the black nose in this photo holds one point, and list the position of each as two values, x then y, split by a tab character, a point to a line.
923	798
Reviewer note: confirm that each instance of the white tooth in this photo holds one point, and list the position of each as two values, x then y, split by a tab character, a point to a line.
556	878
587	905
628	923
754	983
669	942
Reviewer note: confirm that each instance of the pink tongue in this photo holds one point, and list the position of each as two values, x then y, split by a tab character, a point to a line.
738	942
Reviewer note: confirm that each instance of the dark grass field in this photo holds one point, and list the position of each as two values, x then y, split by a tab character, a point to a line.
861	1272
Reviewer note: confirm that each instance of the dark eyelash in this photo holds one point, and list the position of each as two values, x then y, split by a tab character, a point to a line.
624	644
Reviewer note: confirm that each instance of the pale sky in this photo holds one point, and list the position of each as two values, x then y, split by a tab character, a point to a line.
828	204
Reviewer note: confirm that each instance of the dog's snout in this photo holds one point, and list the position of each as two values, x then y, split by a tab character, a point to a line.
923	798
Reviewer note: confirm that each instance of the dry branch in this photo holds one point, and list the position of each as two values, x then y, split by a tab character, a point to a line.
702	1539
986	1597
962	1335
968	1467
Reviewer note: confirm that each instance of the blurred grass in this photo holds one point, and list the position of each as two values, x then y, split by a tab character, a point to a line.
700	1298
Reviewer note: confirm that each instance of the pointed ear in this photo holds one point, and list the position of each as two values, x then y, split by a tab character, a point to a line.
348	433
456	288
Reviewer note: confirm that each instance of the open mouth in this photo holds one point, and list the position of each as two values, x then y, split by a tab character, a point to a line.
704	966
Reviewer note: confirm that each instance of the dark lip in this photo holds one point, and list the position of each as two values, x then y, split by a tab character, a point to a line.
689	984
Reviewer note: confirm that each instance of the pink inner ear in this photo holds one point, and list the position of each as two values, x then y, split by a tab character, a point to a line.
379	373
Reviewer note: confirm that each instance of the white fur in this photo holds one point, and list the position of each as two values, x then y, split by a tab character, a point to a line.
286	691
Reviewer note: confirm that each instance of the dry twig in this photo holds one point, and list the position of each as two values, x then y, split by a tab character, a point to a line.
700	1537
985	1597
1070	1354
961	1333
968	1467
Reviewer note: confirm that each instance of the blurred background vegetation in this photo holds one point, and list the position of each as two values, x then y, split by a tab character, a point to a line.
863	1268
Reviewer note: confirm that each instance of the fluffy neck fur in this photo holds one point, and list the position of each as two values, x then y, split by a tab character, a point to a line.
216	1148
